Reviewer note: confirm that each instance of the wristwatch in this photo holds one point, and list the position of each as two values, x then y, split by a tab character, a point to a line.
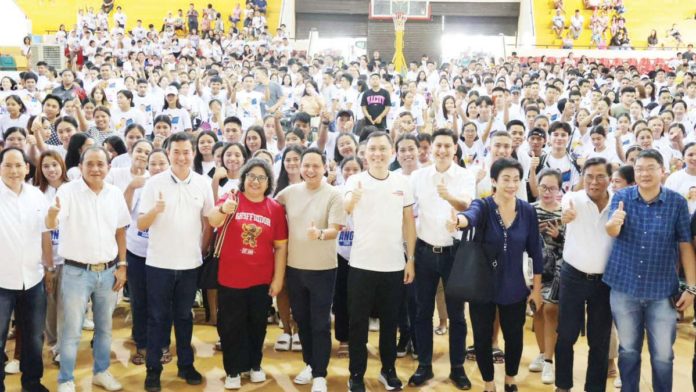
411	258
122	264
50	269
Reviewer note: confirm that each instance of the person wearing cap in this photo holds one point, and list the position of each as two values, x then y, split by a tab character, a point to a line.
92	216
181	119
536	139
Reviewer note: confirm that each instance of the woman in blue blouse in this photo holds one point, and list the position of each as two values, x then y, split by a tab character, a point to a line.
513	229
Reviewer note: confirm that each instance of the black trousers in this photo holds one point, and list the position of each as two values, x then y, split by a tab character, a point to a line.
511	323
340	301
310	301
242	327
368	290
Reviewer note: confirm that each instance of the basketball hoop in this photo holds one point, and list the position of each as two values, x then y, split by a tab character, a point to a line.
399	21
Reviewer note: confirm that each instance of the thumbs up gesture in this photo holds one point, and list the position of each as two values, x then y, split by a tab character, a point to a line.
453	222
569	214
160	204
231	203
312	232
619	215
357	193
442	190
54	209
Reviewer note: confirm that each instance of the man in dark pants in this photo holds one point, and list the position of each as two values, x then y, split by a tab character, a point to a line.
377	271
439	189
376	103
585	213
22	211
172	206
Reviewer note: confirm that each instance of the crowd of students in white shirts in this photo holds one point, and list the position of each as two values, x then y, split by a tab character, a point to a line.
251	108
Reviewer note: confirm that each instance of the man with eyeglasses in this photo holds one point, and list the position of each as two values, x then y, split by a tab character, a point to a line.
653	234
585	255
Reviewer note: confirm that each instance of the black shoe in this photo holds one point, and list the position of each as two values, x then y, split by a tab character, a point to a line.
390	380
191	375
421	376
459	378
152	381
34	387
356	384
510	387
402	347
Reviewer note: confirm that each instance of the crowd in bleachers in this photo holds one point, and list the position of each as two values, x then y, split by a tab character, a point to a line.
156	134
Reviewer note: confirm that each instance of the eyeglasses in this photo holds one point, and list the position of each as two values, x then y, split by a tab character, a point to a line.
544	189
649	169
254	177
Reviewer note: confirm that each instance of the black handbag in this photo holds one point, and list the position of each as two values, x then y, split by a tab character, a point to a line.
208	273
473	274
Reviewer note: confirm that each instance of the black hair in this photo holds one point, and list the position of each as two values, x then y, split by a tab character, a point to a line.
337	154
348	159
198	158
7	150
301	117
445	132
314	150
128	95
548	172
117	144
162	118
627	173
227	146
262	135
252	163
18	101
9	131
651	153
55	98
68	119
366	132
512	123
232	119
132	127
377	134
178	137
283	179
505	163
556	125
597	161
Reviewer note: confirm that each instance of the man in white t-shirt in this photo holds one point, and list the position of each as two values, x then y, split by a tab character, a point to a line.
576	23
172	207
378	270
249	103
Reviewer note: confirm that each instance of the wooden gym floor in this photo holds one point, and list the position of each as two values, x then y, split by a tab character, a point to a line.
281	368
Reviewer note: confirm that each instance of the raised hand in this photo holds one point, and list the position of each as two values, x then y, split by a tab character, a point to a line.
357	194
312	232
569	214
453	222
231	203
619	215
442	190
54	209
160	204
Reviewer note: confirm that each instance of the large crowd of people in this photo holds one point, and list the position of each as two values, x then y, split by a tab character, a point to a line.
169	163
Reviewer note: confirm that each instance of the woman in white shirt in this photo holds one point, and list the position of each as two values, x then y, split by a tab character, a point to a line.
180	118
50	175
16	115
125	113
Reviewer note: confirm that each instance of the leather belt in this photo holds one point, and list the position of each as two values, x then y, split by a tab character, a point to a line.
99	267
434	249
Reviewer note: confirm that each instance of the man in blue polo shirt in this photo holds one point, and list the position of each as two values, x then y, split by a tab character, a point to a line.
651	227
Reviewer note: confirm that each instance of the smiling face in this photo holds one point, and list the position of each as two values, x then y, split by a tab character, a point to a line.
205	145
256	183
379	152
13	169
312	169
140	153
233	159
507	183
291	162
157	163
444	149
94	167
253	141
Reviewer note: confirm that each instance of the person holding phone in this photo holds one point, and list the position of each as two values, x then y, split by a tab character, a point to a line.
552	231
512	226
650	224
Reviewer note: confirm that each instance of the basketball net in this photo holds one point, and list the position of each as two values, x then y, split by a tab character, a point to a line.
399	26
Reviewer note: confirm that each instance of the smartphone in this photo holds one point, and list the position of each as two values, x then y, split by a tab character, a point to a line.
554	220
532	306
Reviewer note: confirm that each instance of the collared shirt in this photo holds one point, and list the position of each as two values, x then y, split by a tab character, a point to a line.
175	235
22	216
587	244
88	222
432	211
645	256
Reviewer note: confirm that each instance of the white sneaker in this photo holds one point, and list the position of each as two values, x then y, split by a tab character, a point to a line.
68	386
233	382
305	376
106	381
319	385
12	367
537	364
283	342
374	324
296	343
88	325
257	375
617	382
547	375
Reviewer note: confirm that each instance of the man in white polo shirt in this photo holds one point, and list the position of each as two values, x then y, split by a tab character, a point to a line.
92	217
381	204
585	255
172	206
439	189
22	212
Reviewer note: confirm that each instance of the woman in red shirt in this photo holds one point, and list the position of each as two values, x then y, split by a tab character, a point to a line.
253	253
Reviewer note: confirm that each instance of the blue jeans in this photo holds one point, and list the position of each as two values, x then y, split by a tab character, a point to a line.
31	316
77	287
170	296
430	268
633	317
577	291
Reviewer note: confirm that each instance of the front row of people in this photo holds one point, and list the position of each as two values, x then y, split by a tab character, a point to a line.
619	259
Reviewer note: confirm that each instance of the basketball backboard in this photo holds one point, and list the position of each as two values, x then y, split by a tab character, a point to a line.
413	9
